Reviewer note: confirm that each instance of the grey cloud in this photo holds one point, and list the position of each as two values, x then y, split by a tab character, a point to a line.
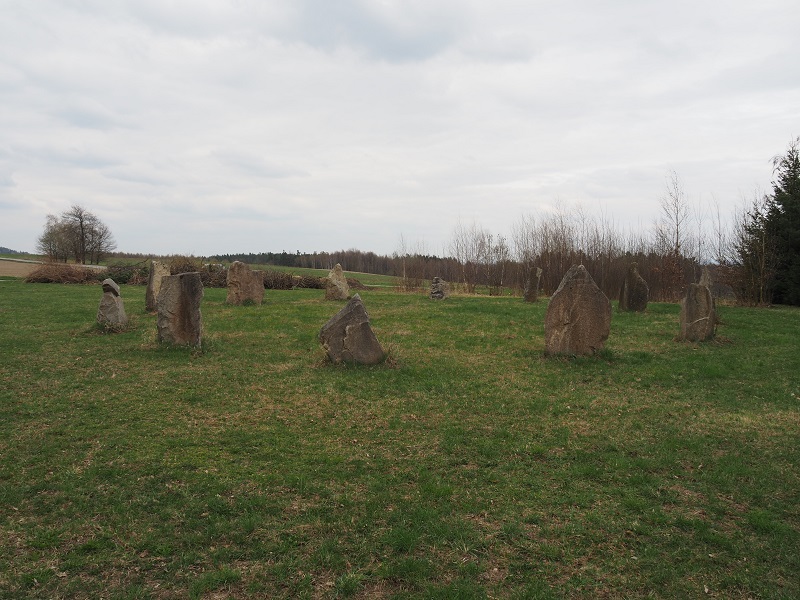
254	165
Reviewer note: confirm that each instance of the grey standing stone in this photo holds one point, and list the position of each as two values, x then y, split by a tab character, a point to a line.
440	289
698	314
157	271
348	336
635	292
578	317
531	293
111	311
336	287
244	284
179	318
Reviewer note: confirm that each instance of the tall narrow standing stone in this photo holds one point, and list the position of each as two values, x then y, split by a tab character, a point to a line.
578	318
531	293
698	314
336	287
635	292
244	285
179	318
157	271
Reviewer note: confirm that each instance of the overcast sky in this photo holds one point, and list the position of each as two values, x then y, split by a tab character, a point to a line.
211	126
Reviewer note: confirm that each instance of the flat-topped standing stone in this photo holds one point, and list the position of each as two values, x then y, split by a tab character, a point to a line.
157	271
578	318
531	293
440	289
179	318
336	287
348	337
698	314
111	310
244	285
635	292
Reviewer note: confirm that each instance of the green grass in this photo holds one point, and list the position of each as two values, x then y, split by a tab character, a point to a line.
467	466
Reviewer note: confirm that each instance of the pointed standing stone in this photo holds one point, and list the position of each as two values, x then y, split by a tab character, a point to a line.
179	318
578	318
348	337
635	292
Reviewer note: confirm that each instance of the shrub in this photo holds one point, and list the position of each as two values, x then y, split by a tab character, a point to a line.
278	280
135	274
61	273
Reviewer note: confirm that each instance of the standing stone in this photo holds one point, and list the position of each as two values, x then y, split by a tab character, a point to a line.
635	292
157	271
531	293
348	337
244	285
179	318
705	278
440	289
111	311
336	287
578	318
698	314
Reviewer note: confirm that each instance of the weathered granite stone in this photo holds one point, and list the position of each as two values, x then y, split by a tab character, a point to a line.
440	289
179	319
157	271
578	318
531	293
348	337
705	278
244	284
110	286
698	314
635	292
336	287
111	311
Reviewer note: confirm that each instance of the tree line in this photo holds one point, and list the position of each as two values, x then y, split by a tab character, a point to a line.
755	254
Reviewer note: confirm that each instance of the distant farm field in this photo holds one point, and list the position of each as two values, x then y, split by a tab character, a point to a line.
469	465
15	268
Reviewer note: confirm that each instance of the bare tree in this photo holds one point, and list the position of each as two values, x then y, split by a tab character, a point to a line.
78	233
672	233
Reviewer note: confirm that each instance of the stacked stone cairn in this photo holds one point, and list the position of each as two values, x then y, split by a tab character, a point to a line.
179	319
698	312
635	292
578	317
440	289
111	312
157	271
245	286
531	292
347	337
336	287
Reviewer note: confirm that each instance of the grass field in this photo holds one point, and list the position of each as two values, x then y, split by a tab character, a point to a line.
467	466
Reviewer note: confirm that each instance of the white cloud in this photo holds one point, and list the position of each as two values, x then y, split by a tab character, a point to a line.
217	126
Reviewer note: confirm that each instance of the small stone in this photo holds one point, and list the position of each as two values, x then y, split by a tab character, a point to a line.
348	337
111	311
336	287
440	289
110	286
